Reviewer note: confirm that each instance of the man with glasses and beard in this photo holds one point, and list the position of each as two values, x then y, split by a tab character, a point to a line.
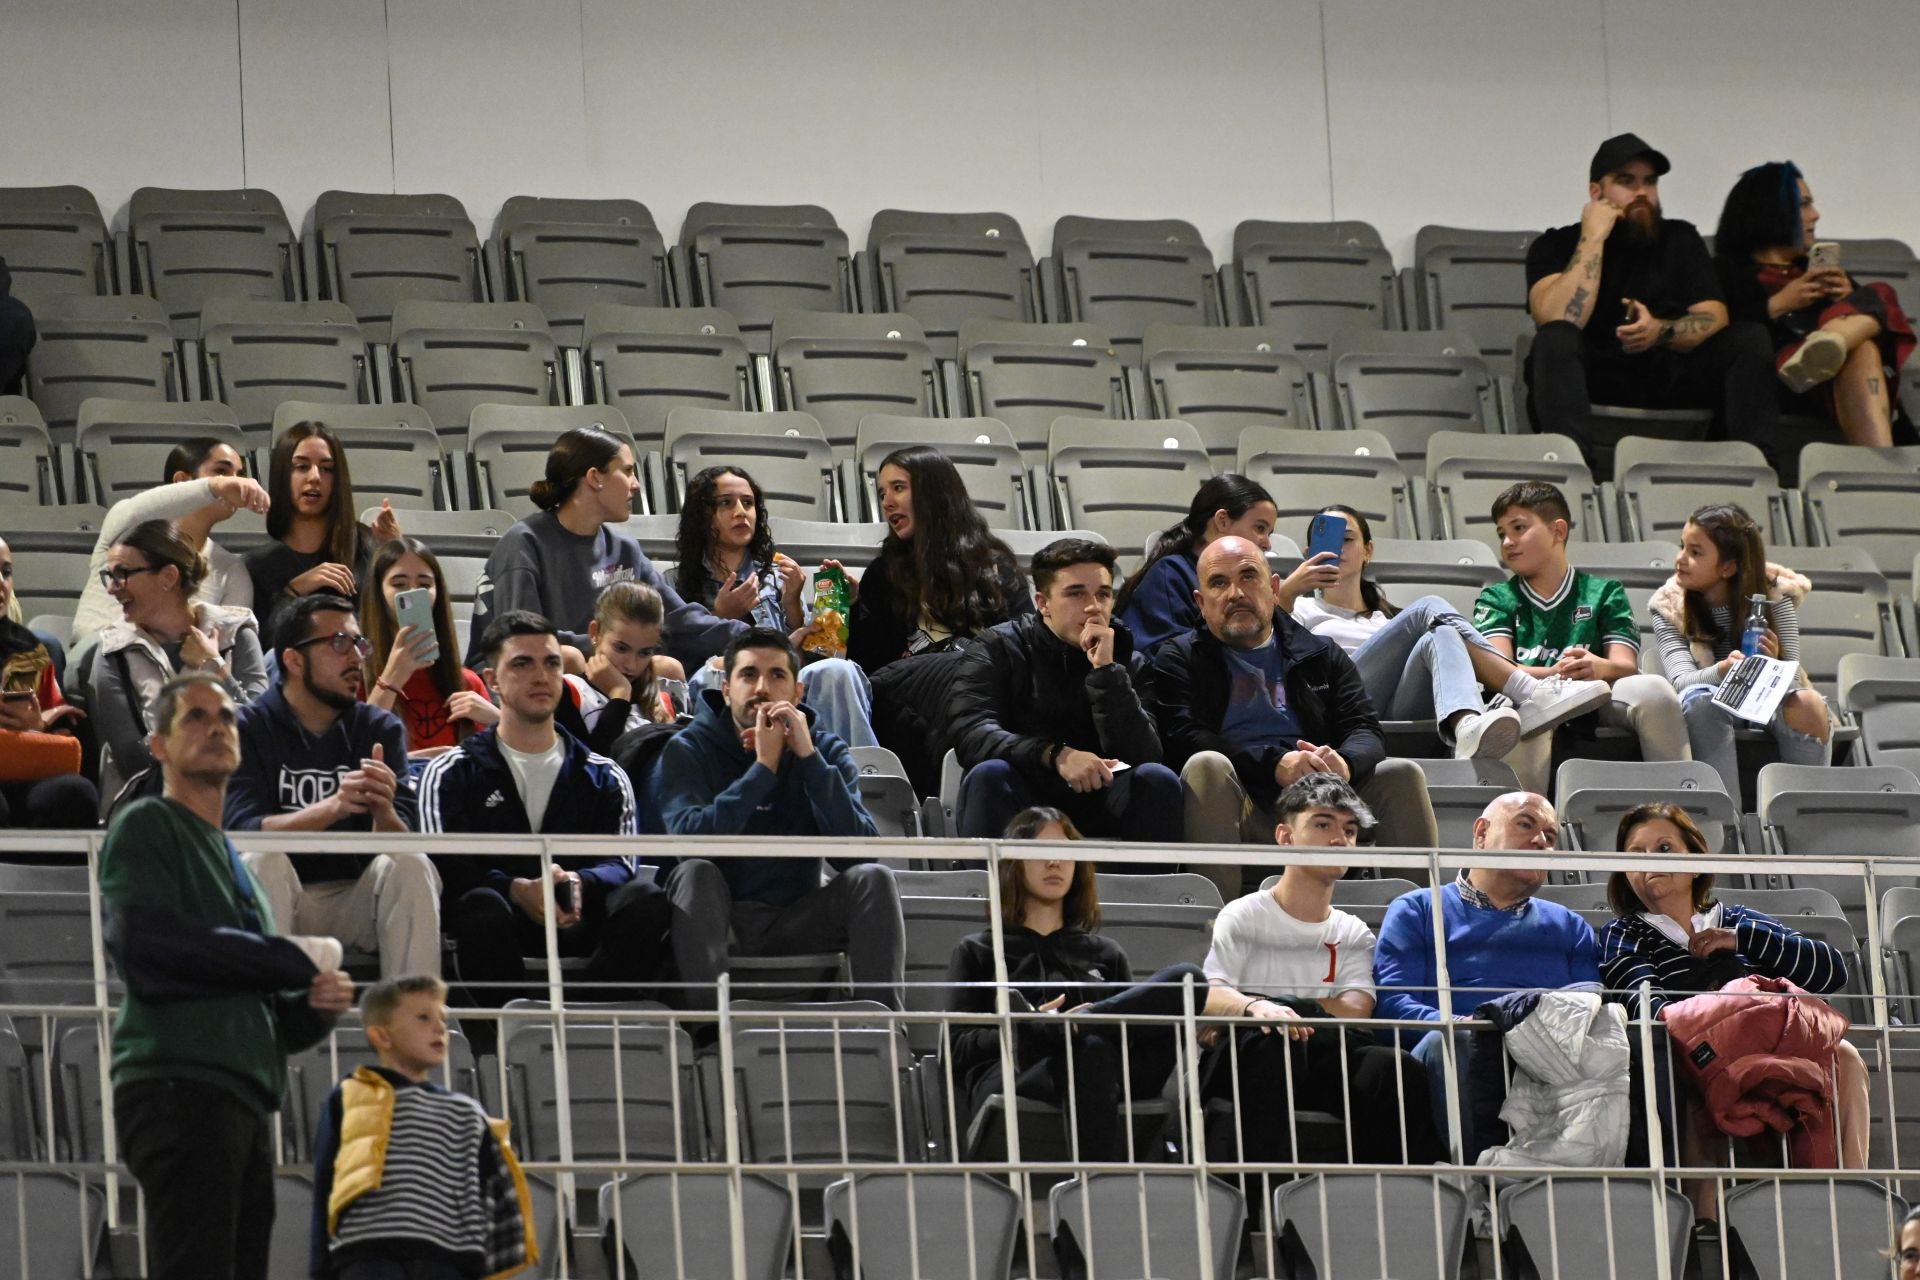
1629	312
314	757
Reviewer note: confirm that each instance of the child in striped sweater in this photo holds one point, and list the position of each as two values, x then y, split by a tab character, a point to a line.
407	1174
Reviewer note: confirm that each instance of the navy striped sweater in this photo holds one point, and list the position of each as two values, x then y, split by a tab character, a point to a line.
1631	950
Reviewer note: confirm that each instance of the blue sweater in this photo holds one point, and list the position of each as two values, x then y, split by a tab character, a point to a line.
1489	953
707	784
1162	606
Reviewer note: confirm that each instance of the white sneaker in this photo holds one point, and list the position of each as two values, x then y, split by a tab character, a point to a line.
1818	360
1486	735
1556	700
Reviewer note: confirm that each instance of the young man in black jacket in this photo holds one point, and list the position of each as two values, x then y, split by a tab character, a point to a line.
314	757
1251	702
1046	707
527	776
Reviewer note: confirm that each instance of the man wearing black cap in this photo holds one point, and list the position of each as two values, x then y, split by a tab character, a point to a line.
1630	313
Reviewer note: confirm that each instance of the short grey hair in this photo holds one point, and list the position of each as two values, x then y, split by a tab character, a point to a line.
1322	791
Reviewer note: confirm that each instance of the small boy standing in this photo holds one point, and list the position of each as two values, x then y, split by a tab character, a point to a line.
1553	619
411	1180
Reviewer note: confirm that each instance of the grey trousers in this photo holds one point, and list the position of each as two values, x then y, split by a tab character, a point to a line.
858	912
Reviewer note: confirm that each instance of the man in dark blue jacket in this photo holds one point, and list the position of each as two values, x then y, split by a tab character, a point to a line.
314	757
527	776
751	764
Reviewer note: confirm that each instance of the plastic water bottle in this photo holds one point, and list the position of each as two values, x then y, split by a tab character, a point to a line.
1756	633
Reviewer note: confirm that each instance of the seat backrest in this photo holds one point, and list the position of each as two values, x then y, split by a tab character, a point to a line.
1836	1227
28	471
1100	1225
46	948
1408	1227
187	247
1578	1228
786	453
840	368
374	251
509	450
1662	482
1413	397
1306	470
946	269
1223	380
55	244
565	256
64	1220
1124	275
123	444
261	353
1185	888
1312	291
1869	681
1592	795
1157	934
1028	375
680	1224
1884	524
1468	470
1352	234
936	1226
1824	810
1479	290
451	358
981	450
649	361
623	1112
814	1093
1128	480
120	347
759	260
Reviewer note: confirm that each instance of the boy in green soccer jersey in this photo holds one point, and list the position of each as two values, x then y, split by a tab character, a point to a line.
1553	619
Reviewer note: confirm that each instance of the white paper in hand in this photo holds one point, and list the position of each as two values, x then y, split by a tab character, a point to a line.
1754	689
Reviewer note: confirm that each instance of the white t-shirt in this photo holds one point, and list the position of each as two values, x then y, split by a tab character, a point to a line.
593	702
1344	627
533	777
1258	947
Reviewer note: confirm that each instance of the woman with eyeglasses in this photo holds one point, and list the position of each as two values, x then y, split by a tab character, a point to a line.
152	572
413	672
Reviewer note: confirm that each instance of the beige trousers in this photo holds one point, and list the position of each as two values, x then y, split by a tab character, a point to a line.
1645	705
392	909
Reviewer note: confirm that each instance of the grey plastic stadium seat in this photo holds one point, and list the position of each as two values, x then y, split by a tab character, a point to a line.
1123	275
259	354
1873	505
1100	1226
1575	1228
1409	386
1026	543
625	1081
674	1225
1306	470
648	361
1900	948
1467	470
1026	375
1869	681
1833	624
786	453
371	251
955	882
980	449
1129	480
944	269
188	247
46	949
1310	288
1454	569
1832	1228
1590	896
55	244
123	444
1157	934
74	1063
1783	904
934	927
449	358
1223	381
1366	900
759	260
509	445
314	1071
404	466
815	1093
1461	790
28	471
567	256
811	541
1591	796
923	1226
841	368
55	1222
19	1134
1817	811
1179	888
886	793
1410	1227
1662	482
119	347
52	555
1880	262
1474	282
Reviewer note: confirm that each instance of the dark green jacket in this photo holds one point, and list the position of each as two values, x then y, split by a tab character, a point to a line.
212	995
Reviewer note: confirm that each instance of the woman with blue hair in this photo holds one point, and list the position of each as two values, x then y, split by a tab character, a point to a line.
1838	345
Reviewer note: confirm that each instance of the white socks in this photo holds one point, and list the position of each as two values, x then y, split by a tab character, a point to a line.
1519	686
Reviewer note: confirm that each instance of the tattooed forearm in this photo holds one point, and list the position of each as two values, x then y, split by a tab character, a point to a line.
1689	326
1577	305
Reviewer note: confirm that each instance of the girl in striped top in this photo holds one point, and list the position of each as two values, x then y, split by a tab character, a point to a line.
1699	617
1669	931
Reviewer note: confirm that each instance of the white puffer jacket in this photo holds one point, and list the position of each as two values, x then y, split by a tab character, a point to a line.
1567	1103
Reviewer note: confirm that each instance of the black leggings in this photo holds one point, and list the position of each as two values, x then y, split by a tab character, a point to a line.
1379	1094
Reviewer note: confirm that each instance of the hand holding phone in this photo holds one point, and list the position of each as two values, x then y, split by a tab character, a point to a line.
1326	533
414	608
1823	255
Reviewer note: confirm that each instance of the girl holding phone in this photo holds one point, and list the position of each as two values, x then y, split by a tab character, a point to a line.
1425	661
415	669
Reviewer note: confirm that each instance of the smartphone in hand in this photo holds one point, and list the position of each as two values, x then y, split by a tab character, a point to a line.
414	608
1823	255
1326	532
563	897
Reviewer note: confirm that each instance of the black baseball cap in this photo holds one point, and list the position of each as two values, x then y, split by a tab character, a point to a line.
1619	149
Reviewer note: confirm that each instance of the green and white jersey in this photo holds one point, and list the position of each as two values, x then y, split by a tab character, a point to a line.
1585	610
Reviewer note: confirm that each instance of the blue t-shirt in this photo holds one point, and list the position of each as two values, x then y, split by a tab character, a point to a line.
1257	712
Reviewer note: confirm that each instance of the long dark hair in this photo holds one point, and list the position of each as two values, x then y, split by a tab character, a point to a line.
1762	212
1735	537
693	541
1370	593
951	567
379	626
1234	494
575	452
343	526
1081	907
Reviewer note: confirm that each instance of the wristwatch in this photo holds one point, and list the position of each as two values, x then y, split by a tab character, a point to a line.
1666	334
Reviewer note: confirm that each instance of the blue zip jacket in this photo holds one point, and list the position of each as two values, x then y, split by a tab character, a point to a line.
707	784
1162	606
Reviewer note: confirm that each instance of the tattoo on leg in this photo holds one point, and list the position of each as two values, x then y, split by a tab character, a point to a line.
1873	386
1577	305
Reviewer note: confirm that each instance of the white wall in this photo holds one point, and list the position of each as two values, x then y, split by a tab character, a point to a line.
1481	112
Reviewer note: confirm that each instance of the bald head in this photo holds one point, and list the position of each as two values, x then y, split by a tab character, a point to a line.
1522	822
1236	592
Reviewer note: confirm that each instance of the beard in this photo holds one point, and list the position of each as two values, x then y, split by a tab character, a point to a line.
333	699
1642	222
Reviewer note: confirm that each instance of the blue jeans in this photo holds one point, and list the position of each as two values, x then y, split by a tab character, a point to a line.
835	688
1710	731
1432	1056
1417	665
1142	804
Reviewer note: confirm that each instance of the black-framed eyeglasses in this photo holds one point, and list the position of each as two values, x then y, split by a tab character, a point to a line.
118	575
342	642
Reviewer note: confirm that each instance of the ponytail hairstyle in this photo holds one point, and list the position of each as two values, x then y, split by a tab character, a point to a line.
1371	595
575	452
633	601
343	526
379	626
1234	494
693	542
952	567
1737	538
190	455
162	543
